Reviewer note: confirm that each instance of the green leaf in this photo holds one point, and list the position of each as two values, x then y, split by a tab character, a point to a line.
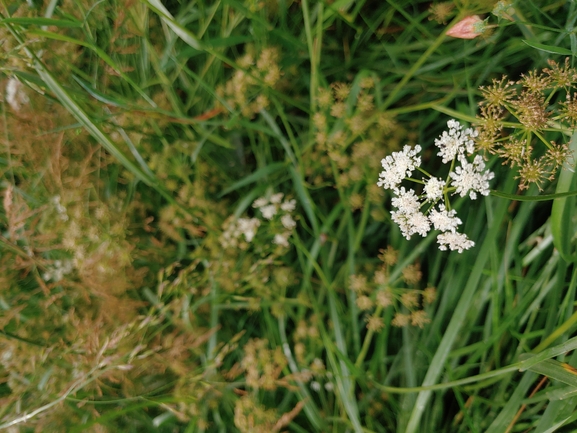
549	48
562	211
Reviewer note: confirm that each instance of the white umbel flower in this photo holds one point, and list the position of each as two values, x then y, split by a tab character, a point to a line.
398	166
268	211
411	223
470	178
288	205
248	227
406	201
434	189
408	216
444	220
260	202
276	198
455	141
454	241
288	222
281	239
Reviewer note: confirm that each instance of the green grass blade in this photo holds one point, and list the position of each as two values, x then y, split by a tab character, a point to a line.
23	21
305	200
70	104
438	362
254	177
549	48
562	211
560	371
502	422
100	53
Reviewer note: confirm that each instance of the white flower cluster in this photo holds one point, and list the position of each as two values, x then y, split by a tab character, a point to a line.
272	209
15	96
60	209
59	270
455	146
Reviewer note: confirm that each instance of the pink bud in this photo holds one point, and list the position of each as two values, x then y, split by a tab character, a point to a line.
468	28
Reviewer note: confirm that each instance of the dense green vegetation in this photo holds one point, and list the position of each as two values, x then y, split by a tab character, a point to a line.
193	238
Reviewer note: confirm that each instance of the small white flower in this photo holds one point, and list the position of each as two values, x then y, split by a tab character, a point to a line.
408	216
260	202
288	205
281	239
329	387
420	224
444	220
315	386
469	178
406	201
248	227
15	96
455	142
276	198
434	189
411	223
288	222
398	166
268	211
403	220
455	241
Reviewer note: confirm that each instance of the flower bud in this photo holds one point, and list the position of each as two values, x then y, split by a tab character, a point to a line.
468	28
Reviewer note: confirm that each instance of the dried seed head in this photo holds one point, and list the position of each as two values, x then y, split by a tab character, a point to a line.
500	93
441	12
534	81
341	90
364	303
338	110
561	76
388	256
400	320
531	110
358	283
559	155
513	151
532	171
412	274
410	299
365	102
429	295
569	110
375	323
419	318
384	298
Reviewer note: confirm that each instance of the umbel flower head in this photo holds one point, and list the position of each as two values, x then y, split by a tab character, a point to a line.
418	214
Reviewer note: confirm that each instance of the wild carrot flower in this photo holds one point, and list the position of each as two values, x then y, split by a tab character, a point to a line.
398	166
416	214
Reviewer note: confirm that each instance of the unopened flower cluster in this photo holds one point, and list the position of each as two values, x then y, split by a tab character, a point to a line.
274	212
420	212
